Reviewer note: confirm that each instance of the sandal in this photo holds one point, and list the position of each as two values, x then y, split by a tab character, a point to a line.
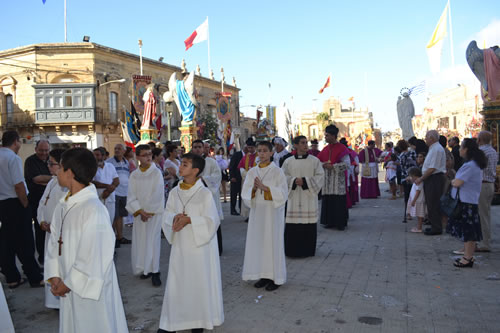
469	262
17	284
415	230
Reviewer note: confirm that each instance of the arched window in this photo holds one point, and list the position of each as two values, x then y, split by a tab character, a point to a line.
9	102
113	100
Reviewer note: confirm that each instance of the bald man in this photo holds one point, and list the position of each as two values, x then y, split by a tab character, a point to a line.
37	176
433	177
487	189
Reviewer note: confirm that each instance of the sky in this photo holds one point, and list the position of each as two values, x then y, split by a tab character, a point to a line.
371	48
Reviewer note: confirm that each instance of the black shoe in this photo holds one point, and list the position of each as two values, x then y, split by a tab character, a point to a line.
430	232
272	286
404	221
262	283
235	213
145	277
469	263
163	331
123	240
341	228
155	279
197	330
117	244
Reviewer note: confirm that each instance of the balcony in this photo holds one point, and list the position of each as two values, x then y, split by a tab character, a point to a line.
17	119
65	103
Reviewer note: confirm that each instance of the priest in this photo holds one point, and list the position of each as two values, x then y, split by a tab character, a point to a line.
79	264
368	158
304	175
193	297
265	191
146	201
335	159
212	176
246	163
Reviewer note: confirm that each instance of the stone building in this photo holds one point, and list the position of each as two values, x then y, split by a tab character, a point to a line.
452	112
75	94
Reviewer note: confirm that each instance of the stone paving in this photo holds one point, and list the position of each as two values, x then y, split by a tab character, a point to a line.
373	277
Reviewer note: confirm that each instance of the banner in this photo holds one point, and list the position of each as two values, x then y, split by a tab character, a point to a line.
223	105
271	115
139	88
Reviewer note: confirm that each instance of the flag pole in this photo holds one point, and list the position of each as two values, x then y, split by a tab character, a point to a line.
65	24
451	36
140	54
208	43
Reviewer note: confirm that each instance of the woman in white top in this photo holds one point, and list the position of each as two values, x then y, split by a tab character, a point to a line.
171	167
466	225
222	163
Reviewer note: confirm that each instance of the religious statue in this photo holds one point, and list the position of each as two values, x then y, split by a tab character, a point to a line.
234	82
183	66
198	70
150	102
406	111
182	93
211	75
485	64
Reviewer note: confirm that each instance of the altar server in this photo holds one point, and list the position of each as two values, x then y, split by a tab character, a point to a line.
246	163
304	175
146	201
265	191
79	264
193	297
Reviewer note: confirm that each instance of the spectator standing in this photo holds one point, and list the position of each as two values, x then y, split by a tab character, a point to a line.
16	237
487	189
222	162
235	179
106	180
408	160
122	168
37	176
454	144
433	177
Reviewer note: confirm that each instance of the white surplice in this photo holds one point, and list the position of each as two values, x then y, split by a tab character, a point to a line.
145	191
6	325
302	204
85	265
213	177
193	295
51	196
264	248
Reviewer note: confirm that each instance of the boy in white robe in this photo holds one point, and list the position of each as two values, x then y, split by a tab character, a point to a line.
304	174
193	296
51	196
79	264
146	201
212	176
265	191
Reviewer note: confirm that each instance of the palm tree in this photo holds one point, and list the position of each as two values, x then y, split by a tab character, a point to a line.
323	119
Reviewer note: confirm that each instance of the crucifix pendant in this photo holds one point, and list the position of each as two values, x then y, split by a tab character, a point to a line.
47	200
60	245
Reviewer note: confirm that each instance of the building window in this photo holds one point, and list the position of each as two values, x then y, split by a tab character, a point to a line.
113	98
314	133
9	102
64	98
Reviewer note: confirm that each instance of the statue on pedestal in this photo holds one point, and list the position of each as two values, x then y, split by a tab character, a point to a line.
485	64
406	111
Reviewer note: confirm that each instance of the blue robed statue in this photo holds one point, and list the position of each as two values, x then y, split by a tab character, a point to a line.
182	92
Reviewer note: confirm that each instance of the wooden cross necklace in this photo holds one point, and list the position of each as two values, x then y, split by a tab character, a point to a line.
50	191
60	241
182	203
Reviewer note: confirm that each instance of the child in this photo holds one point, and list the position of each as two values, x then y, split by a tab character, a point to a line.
420	160
79	264
146	201
193	297
390	174
265	191
51	196
416	204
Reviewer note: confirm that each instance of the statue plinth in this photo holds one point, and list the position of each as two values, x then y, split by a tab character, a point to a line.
148	135
491	121
188	134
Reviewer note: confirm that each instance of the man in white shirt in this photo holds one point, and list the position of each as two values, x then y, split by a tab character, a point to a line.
433	176
106	180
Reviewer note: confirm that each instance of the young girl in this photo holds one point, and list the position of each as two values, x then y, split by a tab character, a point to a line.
420	160
416	203
390	174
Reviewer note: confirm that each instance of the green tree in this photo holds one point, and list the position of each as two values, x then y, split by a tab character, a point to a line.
208	126
323	119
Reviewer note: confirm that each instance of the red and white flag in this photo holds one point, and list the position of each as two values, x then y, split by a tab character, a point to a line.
199	35
327	84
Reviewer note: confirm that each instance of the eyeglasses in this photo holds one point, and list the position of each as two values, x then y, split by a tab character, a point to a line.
52	164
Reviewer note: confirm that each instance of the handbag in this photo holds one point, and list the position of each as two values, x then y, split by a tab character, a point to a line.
366	168
450	206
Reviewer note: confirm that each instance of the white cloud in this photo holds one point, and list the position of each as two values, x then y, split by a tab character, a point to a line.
490	35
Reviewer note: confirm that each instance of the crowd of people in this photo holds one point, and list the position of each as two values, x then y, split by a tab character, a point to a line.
79	200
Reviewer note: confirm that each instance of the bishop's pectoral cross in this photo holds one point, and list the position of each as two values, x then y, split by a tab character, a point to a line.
47	199
60	244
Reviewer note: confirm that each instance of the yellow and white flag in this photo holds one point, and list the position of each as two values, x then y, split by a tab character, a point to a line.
435	45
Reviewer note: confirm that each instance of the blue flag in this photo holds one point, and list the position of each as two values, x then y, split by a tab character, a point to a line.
44	1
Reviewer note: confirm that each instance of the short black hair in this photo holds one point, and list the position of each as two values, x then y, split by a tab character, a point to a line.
156	152
297	139
102	150
343	141
197	141
443	141
371	142
140	148
415	172
266	143
56	154
81	162
394	157
170	148
197	162
9	138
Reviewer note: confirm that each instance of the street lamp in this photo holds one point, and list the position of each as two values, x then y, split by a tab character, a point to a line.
112	81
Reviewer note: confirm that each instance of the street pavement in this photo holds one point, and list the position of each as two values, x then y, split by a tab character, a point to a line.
375	276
